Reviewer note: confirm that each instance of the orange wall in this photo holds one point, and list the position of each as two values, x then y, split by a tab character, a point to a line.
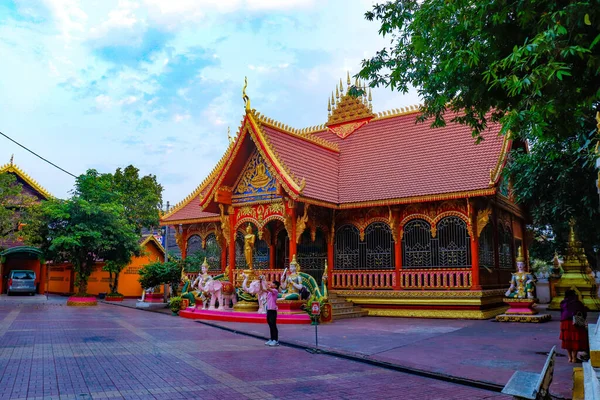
98	281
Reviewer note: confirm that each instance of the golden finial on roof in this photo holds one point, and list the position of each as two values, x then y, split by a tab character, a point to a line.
520	257
229	134
332	100
356	83
348	78
328	105
370	97
244	95
572	238
337	92
12	157
341	87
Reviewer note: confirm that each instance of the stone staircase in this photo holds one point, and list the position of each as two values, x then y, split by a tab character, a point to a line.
342	308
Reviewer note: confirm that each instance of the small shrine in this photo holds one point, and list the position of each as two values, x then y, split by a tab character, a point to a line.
577	276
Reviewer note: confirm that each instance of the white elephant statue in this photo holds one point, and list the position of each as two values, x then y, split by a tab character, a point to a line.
258	288
214	290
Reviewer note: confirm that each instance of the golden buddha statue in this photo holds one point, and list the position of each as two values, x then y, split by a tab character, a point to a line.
522	282
291	282
261	178
249	240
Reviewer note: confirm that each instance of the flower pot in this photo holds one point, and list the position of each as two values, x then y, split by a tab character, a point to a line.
114	298
173	313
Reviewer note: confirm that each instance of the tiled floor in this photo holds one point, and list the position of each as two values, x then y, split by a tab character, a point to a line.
50	351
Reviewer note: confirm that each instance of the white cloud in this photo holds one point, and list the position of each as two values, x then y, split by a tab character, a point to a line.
103	102
181	117
70	17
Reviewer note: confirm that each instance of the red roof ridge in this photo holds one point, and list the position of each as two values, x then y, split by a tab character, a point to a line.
396	112
301	134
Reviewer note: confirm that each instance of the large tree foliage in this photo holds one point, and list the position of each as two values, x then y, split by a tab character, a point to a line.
141	198
158	273
101	221
15	206
532	66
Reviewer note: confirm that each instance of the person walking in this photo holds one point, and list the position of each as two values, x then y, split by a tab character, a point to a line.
272	292
574	337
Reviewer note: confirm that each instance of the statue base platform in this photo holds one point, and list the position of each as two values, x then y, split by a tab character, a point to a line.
523	318
522	310
154	298
290	305
246	317
246	306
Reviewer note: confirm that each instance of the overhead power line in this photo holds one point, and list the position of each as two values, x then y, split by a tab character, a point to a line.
37	155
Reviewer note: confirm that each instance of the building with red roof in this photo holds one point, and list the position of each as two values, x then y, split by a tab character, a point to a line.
406	219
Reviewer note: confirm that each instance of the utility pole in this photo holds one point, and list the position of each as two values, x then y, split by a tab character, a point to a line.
166	288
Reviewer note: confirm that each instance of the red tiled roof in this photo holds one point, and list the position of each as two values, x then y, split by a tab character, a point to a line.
317	165
389	158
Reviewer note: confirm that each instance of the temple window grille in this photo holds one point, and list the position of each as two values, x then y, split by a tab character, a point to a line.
347	254
378	247
240	259
213	252
416	245
453	243
486	247
261	254
505	247
312	255
194	245
449	249
281	250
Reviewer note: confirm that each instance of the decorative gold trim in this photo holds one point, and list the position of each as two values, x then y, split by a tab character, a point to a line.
190	221
523	318
12	168
397	112
472	301
495	172
460	314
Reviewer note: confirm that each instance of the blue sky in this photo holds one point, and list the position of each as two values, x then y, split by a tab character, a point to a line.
156	83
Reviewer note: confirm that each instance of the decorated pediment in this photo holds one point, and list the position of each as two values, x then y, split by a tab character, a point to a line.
255	182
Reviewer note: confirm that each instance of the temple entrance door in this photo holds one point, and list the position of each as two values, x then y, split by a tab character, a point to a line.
312	255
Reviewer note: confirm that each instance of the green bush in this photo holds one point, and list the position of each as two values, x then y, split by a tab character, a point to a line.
175	304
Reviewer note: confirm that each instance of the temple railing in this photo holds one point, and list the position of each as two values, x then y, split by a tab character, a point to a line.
269	274
363	279
446	278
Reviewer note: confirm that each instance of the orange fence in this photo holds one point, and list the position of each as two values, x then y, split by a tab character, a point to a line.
436	278
363	279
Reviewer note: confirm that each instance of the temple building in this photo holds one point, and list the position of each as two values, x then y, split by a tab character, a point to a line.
410	220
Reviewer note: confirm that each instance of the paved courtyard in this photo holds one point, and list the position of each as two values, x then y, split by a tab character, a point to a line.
50	351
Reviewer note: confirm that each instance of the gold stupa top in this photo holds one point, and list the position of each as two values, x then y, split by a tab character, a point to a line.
204	263
520	257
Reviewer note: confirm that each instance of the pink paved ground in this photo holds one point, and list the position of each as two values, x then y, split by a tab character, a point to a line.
481	350
51	351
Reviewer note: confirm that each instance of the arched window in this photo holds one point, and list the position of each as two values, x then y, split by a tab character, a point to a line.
379	247
453	243
213	252
194	245
312	255
505	247
486	247
346	247
416	245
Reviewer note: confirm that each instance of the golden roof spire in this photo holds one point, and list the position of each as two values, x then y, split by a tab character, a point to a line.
348	78
12	158
244	95
341	87
229	134
337	92
572	238
332	100
370	97
328	105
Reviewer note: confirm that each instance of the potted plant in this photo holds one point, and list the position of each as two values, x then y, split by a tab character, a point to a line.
175	305
114	297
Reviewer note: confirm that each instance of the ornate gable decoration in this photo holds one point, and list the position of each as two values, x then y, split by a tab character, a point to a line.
255	183
348	113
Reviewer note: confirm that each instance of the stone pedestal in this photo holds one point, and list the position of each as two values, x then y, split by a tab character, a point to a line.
244	305
522	310
542	289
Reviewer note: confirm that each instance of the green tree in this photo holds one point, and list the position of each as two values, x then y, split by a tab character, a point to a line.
534	67
158	273
15	206
80	232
